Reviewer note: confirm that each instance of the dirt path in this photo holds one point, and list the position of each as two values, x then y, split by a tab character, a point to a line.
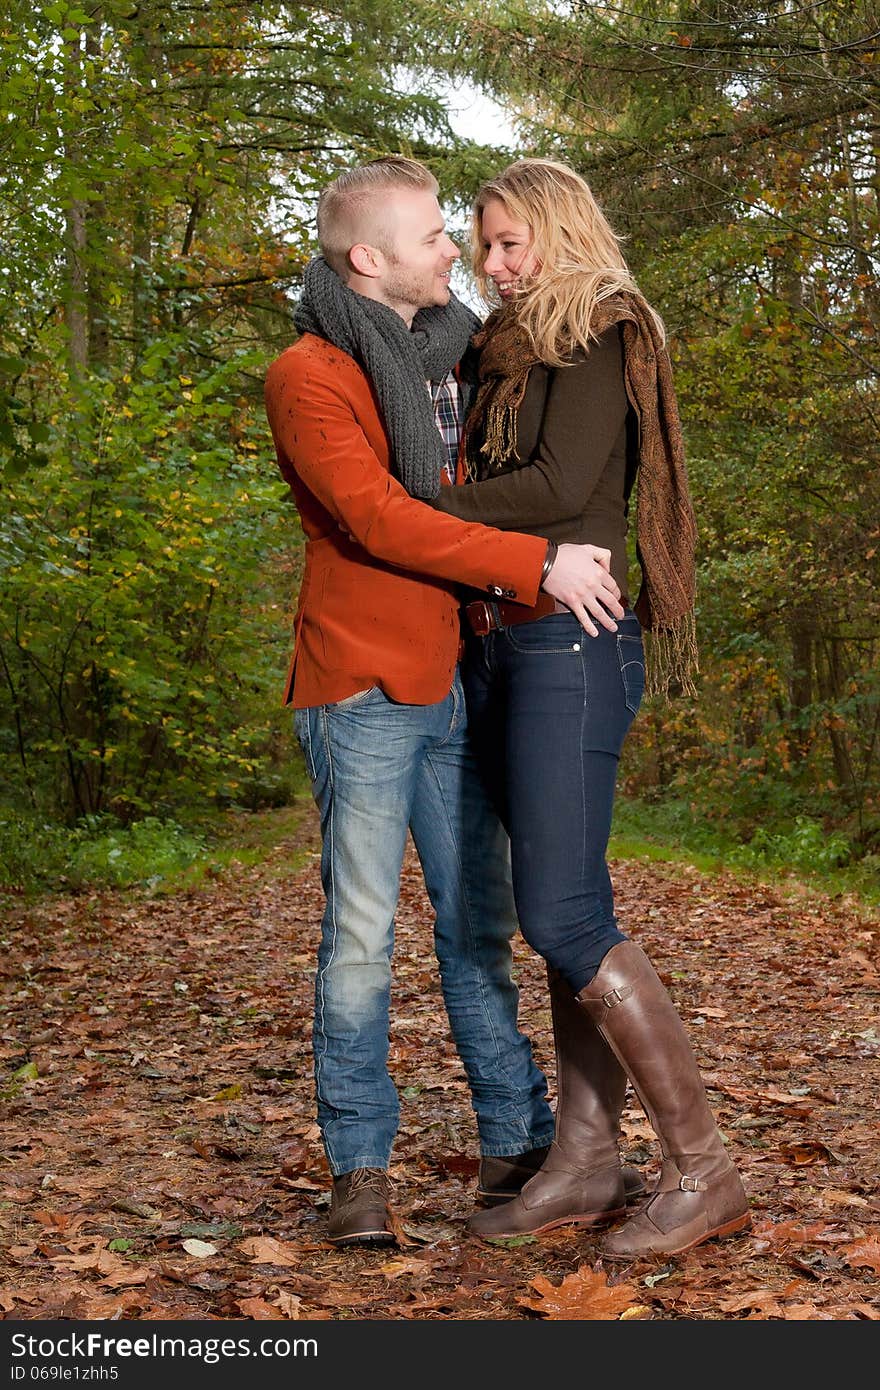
172	1104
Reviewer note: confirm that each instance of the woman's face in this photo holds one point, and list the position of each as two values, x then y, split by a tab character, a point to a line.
508	247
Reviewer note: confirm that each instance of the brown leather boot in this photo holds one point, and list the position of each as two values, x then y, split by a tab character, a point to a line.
359	1208
700	1194
500	1179
581	1182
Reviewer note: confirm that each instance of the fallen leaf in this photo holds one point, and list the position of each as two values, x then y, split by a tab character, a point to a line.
867	1310
232	1092
95	1128
456	1166
201	1249
115	1272
807	1151
842	1199
272	1114
637	1129
259	1309
114	1306
762	1299
289	1303
806	1312
265	1250
128	1277
772	1093
60	1221
203	1230
407	1235
583	1296
863	1254
295	1158
785	1234
405	1265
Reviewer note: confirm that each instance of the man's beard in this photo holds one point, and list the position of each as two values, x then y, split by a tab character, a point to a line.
411	288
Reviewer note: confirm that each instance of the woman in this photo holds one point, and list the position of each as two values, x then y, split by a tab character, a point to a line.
575	408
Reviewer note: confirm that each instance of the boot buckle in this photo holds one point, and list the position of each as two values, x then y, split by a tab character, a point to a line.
616	996
691	1184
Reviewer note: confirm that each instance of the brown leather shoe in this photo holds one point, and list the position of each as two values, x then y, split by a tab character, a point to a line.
359	1212
700	1194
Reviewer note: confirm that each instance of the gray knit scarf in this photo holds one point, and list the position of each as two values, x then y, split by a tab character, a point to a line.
397	361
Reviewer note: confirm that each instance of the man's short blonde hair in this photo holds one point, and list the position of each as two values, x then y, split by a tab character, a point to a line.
351	208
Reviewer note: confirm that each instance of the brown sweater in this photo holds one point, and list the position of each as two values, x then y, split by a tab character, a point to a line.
577	457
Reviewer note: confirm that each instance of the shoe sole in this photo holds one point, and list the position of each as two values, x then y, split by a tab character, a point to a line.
497	1199
730	1228
585	1219
365	1238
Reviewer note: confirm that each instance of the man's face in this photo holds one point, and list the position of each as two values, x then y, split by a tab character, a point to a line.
418	255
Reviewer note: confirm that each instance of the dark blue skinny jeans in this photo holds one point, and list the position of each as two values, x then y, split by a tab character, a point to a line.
548	710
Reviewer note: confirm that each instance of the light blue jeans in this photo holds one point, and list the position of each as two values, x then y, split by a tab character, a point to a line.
378	768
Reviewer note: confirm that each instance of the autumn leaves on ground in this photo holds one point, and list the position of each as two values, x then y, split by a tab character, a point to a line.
160	1158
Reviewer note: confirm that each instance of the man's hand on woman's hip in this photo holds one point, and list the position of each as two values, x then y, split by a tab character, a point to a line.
580	577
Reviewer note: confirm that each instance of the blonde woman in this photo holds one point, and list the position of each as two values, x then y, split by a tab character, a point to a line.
575	411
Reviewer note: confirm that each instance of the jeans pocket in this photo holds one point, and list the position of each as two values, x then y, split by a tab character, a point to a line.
631	656
302	726
558	634
354	699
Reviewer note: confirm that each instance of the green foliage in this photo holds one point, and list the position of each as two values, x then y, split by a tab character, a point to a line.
735	150
785	845
142	644
143	853
97	852
160	171
807	846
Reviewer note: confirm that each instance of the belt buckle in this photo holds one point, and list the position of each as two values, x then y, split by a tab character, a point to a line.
480	617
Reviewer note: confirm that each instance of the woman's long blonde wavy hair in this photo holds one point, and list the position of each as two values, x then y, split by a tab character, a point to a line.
581	262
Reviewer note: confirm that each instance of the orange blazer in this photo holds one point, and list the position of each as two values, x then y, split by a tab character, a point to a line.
378	603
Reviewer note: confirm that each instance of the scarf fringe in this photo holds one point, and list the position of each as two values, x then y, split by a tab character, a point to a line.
672	658
500	442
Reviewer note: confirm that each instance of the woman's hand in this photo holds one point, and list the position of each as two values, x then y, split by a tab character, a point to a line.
580	577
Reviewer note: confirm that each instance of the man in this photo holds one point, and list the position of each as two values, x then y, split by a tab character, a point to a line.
366	412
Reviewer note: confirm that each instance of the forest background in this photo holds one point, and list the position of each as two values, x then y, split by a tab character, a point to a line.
160	166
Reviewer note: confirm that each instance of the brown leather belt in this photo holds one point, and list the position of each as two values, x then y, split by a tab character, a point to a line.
484	616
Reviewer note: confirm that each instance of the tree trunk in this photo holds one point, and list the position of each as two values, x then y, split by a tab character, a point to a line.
829	678
146	62
801	684
76	313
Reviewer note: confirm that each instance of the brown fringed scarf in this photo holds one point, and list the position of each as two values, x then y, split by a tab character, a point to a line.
665	528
